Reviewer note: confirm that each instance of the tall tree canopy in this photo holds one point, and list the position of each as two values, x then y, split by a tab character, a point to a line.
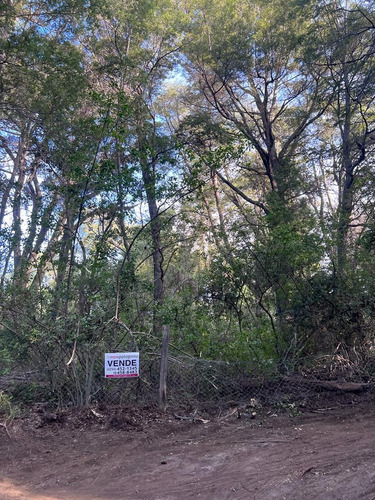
208	165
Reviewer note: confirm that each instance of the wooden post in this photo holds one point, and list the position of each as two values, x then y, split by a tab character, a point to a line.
163	369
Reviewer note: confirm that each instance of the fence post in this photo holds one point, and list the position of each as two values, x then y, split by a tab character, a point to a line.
163	369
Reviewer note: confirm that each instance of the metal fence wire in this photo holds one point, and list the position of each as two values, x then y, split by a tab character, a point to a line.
189	381
194	382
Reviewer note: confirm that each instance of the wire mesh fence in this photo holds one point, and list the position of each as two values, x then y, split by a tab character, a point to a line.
193	382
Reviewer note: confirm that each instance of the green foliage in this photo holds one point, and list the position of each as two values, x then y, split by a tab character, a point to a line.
290	408
31	392
8	410
207	165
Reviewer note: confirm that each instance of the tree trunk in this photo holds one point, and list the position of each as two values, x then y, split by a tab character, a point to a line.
148	174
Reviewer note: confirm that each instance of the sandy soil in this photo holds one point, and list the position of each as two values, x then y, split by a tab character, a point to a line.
143	455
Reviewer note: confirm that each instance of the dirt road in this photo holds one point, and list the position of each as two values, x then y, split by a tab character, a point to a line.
325	455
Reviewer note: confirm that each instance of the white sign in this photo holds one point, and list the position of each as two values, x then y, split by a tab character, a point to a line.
121	364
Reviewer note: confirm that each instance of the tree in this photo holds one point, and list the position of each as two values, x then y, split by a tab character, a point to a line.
349	59
254	73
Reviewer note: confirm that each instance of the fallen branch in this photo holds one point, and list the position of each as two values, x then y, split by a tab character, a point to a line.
232	412
6	430
322	410
97	414
329	385
306	471
191	419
